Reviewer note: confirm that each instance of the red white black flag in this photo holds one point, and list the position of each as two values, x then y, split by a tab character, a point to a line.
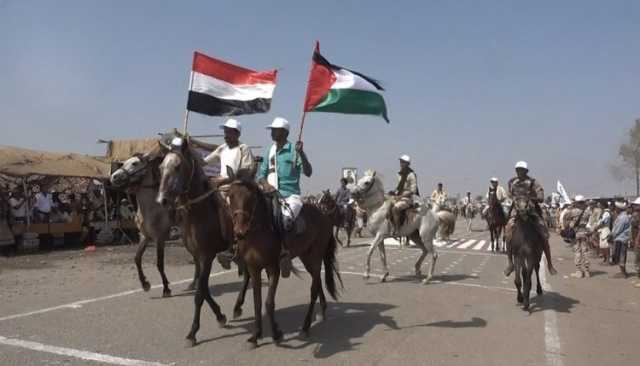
219	88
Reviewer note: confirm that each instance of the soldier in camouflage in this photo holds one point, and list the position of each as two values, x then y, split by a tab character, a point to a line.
524	187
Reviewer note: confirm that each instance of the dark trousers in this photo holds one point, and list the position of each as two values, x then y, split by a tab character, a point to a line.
620	254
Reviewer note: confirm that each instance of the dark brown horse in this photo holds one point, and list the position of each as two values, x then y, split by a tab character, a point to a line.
496	220
259	245
184	184
526	248
342	218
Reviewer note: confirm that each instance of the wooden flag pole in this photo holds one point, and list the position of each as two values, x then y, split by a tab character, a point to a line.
304	110
186	111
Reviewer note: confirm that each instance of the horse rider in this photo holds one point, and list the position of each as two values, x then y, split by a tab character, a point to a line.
405	191
523	187
231	155
495	189
343	196
281	172
439	196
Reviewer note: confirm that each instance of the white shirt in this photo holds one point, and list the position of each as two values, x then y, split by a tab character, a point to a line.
43	203
236	158
20	211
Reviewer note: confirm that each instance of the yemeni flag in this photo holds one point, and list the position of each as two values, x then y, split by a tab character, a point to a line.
339	90
219	88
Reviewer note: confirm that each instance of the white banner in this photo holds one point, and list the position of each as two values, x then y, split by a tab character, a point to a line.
563	194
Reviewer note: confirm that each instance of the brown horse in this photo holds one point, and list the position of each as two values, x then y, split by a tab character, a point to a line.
526	248
184	184
259	245
341	218
496	220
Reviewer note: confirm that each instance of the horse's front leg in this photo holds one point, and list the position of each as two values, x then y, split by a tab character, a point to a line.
257	305
166	291
237	309
372	247
274	276
142	246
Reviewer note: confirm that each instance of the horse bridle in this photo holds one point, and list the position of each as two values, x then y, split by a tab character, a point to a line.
253	212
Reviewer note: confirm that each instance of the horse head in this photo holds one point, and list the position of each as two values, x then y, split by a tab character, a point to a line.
244	196
177	171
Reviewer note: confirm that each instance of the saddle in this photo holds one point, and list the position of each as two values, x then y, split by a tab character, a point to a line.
274	204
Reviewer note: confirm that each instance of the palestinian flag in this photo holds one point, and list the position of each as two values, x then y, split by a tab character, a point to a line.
339	90
221	89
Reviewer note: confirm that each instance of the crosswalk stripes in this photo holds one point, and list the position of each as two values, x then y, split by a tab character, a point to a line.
466	244
479	245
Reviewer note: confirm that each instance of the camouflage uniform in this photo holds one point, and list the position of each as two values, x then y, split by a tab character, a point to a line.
529	189
578	220
404	198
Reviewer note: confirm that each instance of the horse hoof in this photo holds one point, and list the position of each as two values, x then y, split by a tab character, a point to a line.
237	313
166	293
365	275
304	334
222	321
525	307
418	273
384	277
190	342
520	299
539	291
277	337
252	343
426	280
146	286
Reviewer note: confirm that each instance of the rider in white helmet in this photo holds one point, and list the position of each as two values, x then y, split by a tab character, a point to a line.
495	189
523	187
406	189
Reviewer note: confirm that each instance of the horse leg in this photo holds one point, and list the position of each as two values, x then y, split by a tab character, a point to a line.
315	288
196	272
418	240
349	231
142	246
372	247
526	273
383	259
493	245
538	286
337	235
257	305
517	281
166	291
198	299
220	317
274	276
237	309
313	268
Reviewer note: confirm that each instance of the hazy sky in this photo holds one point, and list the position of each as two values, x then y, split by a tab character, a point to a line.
472	86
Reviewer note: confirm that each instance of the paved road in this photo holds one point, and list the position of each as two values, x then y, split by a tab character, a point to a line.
77	308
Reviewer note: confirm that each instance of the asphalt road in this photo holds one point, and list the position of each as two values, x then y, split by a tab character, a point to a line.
87	308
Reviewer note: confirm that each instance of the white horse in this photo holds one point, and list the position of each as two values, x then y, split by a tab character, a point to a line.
421	228
447	221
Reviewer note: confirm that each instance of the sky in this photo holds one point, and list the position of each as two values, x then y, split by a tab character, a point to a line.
471	87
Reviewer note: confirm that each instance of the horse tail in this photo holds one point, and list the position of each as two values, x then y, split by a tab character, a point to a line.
331	269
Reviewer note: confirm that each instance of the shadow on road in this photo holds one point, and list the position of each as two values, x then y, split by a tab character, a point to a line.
215	289
452	277
345	323
475	322
553	301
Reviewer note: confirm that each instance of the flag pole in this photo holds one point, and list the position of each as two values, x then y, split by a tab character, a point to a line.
304	108
186	111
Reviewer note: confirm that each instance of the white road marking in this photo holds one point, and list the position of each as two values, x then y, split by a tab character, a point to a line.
489	247
551	337
77	304
466	244
479	245
70	352
453	244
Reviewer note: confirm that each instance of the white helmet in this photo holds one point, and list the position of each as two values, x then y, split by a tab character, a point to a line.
637	201
579	198
522	164
494	179
406	158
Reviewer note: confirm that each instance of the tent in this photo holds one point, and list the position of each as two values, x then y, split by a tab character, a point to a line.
19	162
